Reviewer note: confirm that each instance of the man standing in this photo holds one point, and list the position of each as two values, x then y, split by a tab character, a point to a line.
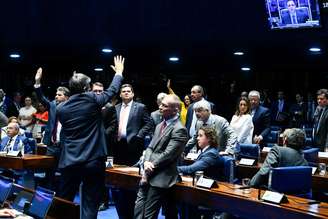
197	94
134	123
84	149
51	137
261	117
320	128
160	164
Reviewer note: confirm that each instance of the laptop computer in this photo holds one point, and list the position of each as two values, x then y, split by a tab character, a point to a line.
6	185
41	201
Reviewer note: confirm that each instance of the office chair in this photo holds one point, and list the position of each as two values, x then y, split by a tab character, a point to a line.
295	180
311	155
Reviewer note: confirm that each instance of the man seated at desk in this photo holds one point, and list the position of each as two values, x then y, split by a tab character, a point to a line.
208	158
282	156
13	141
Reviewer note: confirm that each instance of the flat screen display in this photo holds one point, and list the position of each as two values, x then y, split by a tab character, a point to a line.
293	14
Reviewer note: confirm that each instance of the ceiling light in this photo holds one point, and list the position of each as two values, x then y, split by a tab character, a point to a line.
315	49
14	56
174	59
245	69
238	53
98	69
106	50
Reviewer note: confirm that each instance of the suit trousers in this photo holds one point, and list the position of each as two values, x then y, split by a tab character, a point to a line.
149	201
50	179
92	175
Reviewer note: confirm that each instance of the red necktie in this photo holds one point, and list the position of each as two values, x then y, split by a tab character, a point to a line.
163	126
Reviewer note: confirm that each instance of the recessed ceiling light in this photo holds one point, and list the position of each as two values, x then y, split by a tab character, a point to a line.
14	56
245	69
238	53
174	59
98	69
107	50
315	49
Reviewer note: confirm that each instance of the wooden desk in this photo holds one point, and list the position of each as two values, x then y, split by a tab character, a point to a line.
319	183
228	198
60	208
28	161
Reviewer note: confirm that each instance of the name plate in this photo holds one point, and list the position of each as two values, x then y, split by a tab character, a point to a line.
3	153
273	197
323	154
314	169
205	183
192	156
266	149
14	153
247	162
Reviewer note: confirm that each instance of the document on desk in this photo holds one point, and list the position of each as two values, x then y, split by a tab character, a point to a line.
323	154
128	169
186	179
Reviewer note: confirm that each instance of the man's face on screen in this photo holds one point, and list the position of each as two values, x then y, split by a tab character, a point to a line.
291	6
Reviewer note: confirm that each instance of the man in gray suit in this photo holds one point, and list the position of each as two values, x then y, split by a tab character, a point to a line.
320	128
227	138
157	115
290	155
160	163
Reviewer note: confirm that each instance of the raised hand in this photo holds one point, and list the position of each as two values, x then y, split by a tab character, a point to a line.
168	84
118	66
38	76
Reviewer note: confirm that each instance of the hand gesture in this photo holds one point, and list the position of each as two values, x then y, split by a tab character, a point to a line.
168	84
118	66
38	76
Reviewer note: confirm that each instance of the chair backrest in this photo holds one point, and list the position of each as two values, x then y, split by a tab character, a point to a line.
295	180
272	137
251	151
226	167
32	143
311	155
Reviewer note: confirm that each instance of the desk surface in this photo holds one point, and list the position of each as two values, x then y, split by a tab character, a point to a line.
227	197
28	161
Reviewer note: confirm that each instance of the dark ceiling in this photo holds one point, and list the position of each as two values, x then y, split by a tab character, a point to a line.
204	34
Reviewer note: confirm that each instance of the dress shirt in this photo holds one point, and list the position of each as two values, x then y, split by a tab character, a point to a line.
124	123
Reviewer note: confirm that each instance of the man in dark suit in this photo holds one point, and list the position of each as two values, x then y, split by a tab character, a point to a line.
84	149
320	128
197	94
261	117
134	124
280	111
51	137
289	155
160	163
293	16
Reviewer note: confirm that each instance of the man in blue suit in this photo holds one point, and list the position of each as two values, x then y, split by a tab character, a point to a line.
293	16
15	142
51	137
261	117
84	149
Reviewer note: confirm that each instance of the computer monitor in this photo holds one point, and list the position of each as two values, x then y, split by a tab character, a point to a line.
40	203
6	185
293	14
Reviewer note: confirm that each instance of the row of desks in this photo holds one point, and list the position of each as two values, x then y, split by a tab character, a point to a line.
227	197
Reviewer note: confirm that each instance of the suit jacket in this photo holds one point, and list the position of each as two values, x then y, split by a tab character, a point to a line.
190	114
261	121
157	117
51	106
283	118
226	136
207	161
21	144
139	122
164	152
278	157
82	125
301	16
321	134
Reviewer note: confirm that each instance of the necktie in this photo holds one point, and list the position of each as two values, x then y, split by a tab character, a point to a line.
294	19
123	115
163	126
8	147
